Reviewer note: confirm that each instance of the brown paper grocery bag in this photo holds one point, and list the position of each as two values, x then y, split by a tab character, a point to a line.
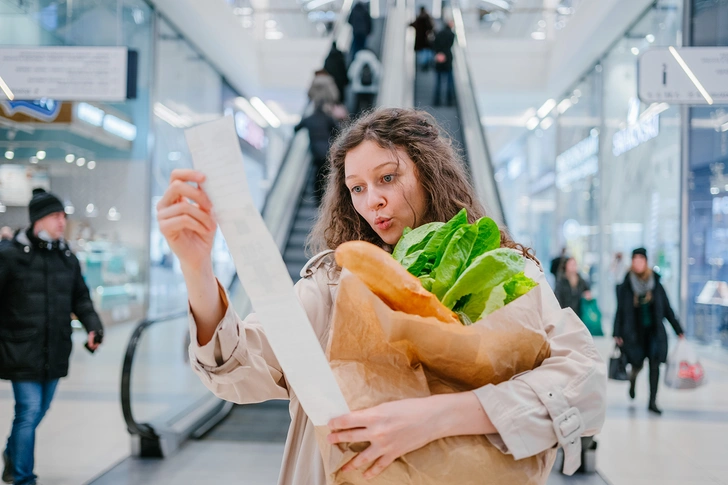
379	355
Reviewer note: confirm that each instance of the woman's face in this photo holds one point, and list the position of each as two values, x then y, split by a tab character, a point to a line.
571	266
639	264
384	190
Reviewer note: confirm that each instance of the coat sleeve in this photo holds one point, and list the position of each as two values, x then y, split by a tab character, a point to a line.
617	331
82	306
4	272
559	401
670	314
238	364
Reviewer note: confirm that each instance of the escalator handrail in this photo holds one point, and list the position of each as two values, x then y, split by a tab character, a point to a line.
135	428
467	103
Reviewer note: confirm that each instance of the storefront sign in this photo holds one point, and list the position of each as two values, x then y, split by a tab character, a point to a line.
635	135
66	73
578	162
689	75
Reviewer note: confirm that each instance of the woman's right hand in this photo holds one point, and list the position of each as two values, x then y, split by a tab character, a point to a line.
618	341
185	219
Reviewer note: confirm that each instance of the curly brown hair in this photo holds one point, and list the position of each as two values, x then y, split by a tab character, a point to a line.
439	168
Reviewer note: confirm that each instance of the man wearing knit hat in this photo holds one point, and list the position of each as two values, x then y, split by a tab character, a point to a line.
40	286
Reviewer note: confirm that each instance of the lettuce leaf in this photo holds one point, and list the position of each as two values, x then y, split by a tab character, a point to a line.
486	272
454	259
488	238
414	239
432	252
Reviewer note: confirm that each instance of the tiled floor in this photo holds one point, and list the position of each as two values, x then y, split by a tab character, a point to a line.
84	433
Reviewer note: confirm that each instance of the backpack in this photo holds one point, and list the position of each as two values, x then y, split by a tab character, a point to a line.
367	75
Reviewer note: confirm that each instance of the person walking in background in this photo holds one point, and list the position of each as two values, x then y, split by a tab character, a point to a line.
639	331
40	286
442	46
6	236
323	90
364	74
557	264
571	287
361	26
321	129
335	65
424	34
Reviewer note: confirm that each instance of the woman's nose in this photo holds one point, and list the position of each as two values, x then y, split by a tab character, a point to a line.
376	199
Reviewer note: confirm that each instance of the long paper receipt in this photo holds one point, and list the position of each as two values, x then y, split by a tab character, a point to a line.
215	151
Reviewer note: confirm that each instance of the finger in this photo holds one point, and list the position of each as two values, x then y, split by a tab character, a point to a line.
180	223
187	175
379	466
359	435
178	189
181	208
357	419
363	459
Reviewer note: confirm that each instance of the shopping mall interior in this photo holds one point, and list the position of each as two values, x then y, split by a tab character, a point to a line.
587	128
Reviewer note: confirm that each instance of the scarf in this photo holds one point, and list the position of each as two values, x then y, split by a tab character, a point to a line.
642	286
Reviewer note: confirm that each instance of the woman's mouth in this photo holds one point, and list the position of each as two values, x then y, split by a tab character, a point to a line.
382	223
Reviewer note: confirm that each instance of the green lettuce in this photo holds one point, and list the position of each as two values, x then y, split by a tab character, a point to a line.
432	252
414	239
454	259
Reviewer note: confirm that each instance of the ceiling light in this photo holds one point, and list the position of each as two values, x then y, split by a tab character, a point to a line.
538	35
3	209
574	100
650	38
167	115
244	105
690	74
547	107
635	51
6	89
9	154
564	105
70	158
91	165
274	35
532	123
547	123
502	4
41	155
265	111
317	3
565	10
714	190
91	210
33	159
113	215
69	209
81	162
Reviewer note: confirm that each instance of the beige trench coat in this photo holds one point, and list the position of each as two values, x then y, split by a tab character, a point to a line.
552	405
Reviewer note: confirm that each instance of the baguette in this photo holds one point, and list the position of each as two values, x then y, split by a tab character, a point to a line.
390	281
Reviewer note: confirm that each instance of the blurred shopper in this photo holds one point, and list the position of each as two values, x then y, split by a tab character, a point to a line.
321	129
364	74
6	236
335	65
323	90
571	288
557	264
424	35
361	26
40	286
642	305
442	46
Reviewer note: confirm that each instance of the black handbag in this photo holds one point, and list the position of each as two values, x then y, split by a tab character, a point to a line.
618	365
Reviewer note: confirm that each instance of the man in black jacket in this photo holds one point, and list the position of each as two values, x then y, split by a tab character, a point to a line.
361	27
40	286
335	65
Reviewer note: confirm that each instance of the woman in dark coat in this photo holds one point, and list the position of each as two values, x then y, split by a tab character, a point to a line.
571	287
642	305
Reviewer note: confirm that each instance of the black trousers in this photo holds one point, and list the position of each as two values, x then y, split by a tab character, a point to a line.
654	366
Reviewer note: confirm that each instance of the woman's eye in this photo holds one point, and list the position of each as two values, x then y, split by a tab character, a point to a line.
357	189
388	178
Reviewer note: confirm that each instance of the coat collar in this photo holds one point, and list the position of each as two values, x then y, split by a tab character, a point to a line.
23	239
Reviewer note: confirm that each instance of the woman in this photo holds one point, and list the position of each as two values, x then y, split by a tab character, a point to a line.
571	287
642	305
389	170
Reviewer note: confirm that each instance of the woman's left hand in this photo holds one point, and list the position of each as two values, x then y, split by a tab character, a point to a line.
392	429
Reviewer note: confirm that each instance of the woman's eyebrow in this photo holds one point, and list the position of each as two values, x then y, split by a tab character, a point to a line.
374	169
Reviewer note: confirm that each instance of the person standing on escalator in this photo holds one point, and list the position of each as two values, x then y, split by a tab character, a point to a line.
321	129
442	46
